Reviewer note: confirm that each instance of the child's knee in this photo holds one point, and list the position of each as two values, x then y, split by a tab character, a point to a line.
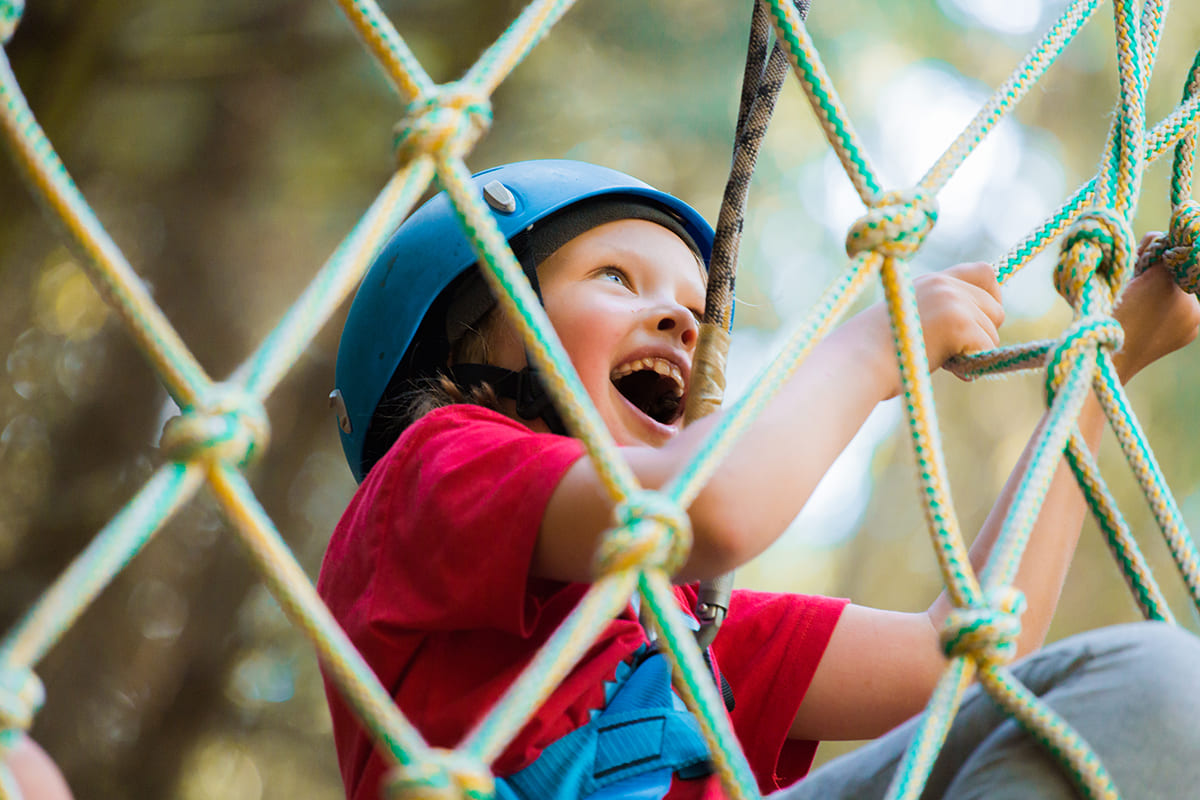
1158	650
1154	670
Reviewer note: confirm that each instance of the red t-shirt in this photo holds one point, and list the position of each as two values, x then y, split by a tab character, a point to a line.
428	572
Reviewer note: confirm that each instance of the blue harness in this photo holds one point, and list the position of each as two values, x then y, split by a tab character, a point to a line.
629	750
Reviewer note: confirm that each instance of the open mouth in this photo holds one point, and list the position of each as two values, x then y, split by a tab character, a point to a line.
653	385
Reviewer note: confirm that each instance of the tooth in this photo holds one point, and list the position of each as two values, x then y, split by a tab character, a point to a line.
660	366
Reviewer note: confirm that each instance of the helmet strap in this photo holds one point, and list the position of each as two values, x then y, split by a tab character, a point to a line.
524	386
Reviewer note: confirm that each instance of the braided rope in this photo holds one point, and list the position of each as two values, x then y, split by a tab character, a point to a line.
380	38
10	15
1051	731
1027	73
514	44
111	549
181	374
763	77
1120	541
222	425
1169	131
608	596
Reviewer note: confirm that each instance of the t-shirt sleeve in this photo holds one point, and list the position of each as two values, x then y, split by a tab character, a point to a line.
768	649
461	498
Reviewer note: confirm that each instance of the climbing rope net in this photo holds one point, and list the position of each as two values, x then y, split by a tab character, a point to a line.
222	424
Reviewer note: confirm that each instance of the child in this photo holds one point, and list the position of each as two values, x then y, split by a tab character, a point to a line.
471	536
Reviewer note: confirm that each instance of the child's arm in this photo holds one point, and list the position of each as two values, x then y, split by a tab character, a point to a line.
880	667
769	474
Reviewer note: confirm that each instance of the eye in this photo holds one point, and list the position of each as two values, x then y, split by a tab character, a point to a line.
616	275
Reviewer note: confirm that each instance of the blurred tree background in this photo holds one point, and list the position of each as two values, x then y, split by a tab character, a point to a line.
228	146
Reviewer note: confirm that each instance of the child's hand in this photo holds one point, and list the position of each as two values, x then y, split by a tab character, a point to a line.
960	313
1158	318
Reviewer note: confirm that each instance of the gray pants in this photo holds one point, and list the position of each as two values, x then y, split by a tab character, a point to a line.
1131	691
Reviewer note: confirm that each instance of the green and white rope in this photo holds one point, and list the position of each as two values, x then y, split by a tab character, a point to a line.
261	373
1010	93
223	426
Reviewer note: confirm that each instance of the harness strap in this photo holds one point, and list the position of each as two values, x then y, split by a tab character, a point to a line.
641	738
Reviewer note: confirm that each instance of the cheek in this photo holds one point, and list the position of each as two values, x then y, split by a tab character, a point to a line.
589	332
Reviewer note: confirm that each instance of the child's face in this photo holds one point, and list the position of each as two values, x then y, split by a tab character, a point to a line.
624	299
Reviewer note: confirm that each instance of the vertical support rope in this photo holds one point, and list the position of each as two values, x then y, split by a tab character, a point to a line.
761	81
918	404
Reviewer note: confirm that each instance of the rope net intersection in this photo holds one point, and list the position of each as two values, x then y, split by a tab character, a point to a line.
222	425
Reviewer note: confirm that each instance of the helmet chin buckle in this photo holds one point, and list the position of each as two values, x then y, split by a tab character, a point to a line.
522	386
533	401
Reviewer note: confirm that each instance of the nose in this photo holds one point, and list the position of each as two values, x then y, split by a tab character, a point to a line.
680	320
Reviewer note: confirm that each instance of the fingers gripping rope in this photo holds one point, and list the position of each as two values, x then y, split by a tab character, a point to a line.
895	225
987	633
650	532
21	696
443	775
1099	244
1178	249
445	123
228	425
10	15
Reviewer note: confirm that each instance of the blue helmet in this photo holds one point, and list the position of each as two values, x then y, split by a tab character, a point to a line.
429	251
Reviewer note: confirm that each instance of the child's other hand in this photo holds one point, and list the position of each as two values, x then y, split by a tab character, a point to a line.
960	313
1158	318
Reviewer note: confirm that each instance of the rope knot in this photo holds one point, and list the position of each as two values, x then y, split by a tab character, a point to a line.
442	775
988	633
10	16
1099	244
1086	334
649	532
1179	249
895	225
227	425
446	122
21	696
